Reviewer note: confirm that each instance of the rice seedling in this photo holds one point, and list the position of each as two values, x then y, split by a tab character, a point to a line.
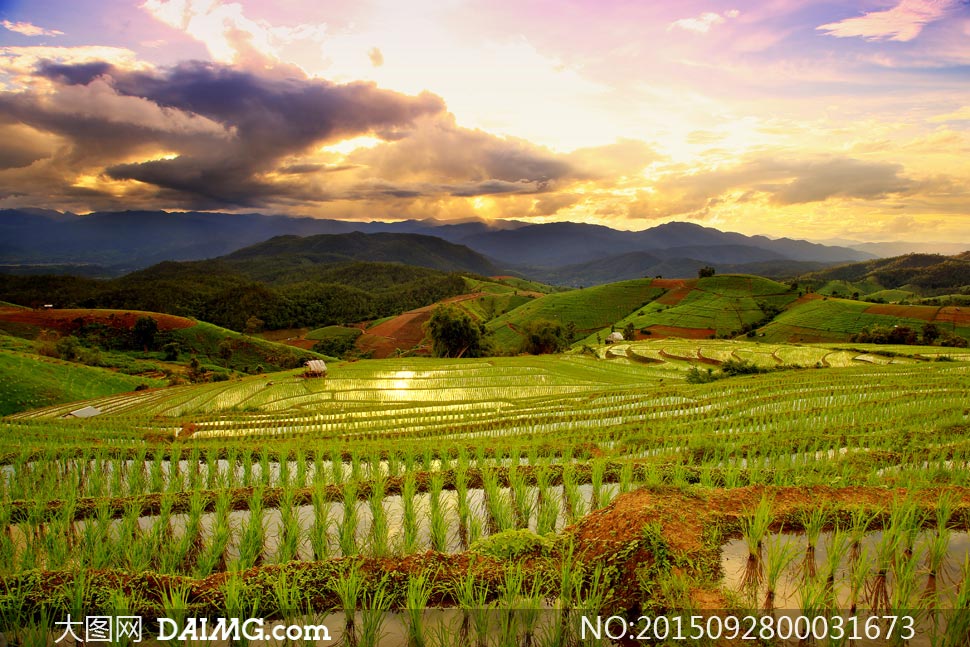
175	605
409	521
319	531
379	529
510	594
812	522
626	477
416	602
472	596
213	557
905	572
461	496
438	522
598	470
347	528
287	596
349	587
957	633
374	611
754	527
838	548
253	535
779	554
521	499
291	532
548	505
571	494
936	550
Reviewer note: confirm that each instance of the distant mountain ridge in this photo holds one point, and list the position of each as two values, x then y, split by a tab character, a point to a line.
125	241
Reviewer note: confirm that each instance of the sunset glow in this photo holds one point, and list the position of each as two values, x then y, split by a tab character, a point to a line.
785	118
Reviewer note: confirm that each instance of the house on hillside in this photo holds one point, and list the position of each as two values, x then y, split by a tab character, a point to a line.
614	337
315	368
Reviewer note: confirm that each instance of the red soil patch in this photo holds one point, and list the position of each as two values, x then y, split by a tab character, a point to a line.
805	298
677	290
926	313
954	314
668	284
70	319
662	332
403	332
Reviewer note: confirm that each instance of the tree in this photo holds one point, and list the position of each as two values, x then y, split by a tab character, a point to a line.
254	325
544	336
705	272
571	331
454	334
68	348
144	332
930	333
225	351
172	350
629	331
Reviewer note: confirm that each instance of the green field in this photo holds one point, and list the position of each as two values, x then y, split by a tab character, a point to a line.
722	304
589	309
333	332
413	494
831	319
28	381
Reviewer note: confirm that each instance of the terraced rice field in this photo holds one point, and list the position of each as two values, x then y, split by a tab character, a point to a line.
504	501
828	319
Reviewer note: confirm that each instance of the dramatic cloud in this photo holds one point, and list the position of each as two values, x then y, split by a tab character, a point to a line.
904	22
440	150
782	181
27	29
225	126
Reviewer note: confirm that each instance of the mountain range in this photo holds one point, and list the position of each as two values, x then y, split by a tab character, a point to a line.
565	253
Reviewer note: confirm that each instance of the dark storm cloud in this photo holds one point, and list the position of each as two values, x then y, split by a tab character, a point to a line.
227	126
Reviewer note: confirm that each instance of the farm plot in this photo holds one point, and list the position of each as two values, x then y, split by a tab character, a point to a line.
566	485
712	306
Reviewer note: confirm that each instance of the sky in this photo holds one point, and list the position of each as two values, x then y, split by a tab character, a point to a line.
808	119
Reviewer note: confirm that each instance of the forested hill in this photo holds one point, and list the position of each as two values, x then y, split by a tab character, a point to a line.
286	282
287	258
924	271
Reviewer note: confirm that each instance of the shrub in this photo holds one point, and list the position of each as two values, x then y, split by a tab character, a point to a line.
740	367
512	544
544	336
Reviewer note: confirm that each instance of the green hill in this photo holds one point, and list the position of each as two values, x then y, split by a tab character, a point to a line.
589	309
829	319
29	381
712	306
928	273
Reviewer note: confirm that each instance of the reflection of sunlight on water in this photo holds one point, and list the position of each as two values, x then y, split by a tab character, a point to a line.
401	381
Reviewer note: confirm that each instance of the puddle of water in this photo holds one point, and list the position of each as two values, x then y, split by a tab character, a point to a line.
792	583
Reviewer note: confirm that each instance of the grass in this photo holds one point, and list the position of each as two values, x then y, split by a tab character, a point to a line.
30	381
334	332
